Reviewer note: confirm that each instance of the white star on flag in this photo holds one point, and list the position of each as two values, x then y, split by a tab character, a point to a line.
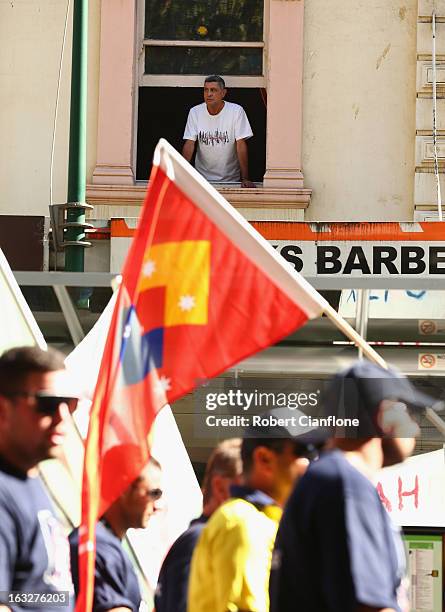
148	268
127	331
163	385
187	302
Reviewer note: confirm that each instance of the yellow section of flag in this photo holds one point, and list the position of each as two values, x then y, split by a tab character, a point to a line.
184	269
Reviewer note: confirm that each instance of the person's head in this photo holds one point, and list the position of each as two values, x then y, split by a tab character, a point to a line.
138	502
222	470
214	91
33	405
272	465
386	405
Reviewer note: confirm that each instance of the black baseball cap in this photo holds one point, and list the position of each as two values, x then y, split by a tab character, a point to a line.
358	391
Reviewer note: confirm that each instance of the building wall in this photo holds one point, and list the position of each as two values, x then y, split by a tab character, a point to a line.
359	105
359	97
31	33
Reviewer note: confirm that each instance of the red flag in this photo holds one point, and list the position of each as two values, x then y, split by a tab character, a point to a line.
201	290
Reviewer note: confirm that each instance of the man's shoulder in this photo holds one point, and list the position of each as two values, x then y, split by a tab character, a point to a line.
10	478
191	534
332	466
232	512
332	477
14	490
329	467
324	479
239	516
235	508
234	107
198	109
183	546
106	542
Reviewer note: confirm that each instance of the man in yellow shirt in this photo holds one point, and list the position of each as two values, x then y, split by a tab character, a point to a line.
231	563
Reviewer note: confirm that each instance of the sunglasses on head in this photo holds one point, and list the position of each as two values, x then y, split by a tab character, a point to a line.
46	403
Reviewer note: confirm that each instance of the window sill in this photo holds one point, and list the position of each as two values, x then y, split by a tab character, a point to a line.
255	197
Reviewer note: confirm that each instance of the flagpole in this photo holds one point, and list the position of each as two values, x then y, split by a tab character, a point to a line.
373	356
353	335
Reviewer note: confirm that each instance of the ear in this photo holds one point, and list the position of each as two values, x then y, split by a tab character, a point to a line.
220	487
224	91
263	458
393	419
388	415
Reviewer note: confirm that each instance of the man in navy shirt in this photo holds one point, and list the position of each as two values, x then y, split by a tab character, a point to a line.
223	470
116	585
336	549
34	552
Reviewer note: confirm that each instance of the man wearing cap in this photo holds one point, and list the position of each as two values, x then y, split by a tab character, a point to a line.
336	549
231	563
34	552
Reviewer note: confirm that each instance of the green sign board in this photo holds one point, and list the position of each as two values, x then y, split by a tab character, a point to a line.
424	556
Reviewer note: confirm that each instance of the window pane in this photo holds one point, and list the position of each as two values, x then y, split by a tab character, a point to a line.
204	60
226	20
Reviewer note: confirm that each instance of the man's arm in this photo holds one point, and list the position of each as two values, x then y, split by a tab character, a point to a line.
188	149
243	160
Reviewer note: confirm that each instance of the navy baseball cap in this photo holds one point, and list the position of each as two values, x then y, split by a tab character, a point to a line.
291	424
359	390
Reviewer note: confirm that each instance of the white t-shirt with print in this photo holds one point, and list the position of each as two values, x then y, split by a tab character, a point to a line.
216	157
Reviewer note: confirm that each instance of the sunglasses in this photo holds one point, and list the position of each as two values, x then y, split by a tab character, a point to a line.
153	494
45	403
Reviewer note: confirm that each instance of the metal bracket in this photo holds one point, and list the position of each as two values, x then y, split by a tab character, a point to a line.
59	223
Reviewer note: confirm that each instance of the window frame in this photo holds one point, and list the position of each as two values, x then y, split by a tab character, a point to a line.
195	80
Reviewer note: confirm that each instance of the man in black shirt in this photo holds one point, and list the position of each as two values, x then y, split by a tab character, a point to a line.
34	552
336	549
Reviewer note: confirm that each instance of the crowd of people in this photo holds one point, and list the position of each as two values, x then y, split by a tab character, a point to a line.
289	523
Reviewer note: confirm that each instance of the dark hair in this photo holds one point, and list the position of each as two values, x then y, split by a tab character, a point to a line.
225	460
18	363
301	448
250	444
214	78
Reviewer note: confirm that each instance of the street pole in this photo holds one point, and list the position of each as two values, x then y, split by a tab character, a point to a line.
75	226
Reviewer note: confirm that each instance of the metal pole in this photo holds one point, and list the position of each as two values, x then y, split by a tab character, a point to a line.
361	321
75	226
436	160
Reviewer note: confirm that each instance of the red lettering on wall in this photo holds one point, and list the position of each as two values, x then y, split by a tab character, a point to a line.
414	492
385	501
